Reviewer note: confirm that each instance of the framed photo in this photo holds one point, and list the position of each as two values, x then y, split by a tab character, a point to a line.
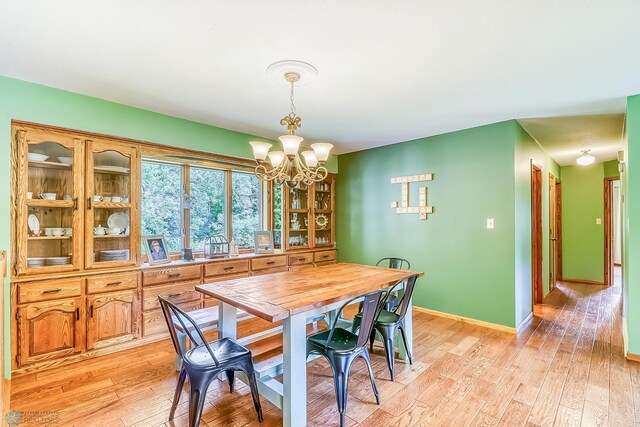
264	242
156	250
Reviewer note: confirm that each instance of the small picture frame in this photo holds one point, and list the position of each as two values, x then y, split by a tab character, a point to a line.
156	250
263	242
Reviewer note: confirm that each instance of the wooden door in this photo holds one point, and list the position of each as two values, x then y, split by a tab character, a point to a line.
553	232
49	330
297	218
112	318
112	193
536	233
47	201
323	230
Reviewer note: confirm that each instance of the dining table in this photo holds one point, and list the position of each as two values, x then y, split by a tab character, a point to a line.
297	298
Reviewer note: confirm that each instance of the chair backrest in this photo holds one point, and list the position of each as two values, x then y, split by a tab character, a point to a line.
370	308
409	283
397	263
174	314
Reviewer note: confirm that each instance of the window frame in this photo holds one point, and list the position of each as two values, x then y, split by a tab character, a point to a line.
266	220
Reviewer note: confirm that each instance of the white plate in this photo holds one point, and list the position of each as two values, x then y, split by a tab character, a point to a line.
37	157
114	168
34	223
118	220
66	160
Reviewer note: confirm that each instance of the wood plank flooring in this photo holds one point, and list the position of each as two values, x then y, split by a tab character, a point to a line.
565	369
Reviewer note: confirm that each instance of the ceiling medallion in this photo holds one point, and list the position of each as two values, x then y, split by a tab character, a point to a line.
288	166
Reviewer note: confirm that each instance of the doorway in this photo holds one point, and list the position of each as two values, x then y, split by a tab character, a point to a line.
612	228
555	231
536	233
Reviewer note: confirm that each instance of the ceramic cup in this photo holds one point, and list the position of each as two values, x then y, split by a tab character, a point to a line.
48	231
125	199
47	196
114	231
99	231
30	195
116	199
68	231
106	199
66	197
97	198
58	231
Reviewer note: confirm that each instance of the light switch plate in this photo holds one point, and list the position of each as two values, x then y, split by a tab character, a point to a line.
490	223
598	221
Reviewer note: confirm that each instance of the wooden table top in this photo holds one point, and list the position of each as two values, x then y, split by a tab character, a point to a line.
276	296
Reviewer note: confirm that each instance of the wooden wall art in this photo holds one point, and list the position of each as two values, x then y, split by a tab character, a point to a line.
422	209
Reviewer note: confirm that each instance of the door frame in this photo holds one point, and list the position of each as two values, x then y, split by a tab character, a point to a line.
555	219
536	233
608	229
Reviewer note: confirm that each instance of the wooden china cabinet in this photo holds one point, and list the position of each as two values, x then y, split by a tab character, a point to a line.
308	215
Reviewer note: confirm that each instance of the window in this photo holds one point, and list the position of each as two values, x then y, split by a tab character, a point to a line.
277	216
207	217
161	208
246	200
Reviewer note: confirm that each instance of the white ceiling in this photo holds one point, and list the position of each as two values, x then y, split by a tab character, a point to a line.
564	138
389	71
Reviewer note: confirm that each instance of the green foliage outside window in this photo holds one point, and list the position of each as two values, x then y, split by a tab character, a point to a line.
207	205
161	209
246	192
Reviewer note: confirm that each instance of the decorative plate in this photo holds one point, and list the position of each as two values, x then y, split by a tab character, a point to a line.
114	168
322	221
118	220
34	224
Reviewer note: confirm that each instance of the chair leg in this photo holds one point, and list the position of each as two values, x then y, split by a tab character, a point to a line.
176	397
230	378
341	367
406	347
388	337
198	385
253	385
365	356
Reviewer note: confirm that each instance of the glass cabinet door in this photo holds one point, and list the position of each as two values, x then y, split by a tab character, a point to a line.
48	233
111	192
323	213
297	224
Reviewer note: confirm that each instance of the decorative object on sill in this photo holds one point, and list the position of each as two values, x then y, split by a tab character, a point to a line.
187	255
422	209
288	166
322	222
586	158
155	247
234	250
216	247
264	242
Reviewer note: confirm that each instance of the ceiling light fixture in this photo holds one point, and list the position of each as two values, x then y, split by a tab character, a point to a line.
586	159
287	166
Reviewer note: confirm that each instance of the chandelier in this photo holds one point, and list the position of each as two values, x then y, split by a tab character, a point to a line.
288	166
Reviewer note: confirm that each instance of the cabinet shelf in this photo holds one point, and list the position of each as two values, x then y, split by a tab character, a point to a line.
42	203
111	205
110	171
299	229
111	236
49	237
298	210
323	211
49	165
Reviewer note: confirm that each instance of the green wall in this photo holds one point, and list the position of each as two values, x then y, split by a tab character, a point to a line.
469	270
631	225
582	238
528	151
21	100
611	169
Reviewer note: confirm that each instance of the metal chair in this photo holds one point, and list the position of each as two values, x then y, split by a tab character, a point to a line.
397	263
205	361
342	347
388	322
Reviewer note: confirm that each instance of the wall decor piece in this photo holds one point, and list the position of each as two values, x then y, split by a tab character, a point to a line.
422	209
155	247
264	242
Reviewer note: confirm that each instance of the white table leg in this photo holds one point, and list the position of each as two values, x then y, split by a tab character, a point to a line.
227	320
294	343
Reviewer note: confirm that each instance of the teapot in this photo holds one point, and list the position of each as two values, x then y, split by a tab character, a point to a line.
99	230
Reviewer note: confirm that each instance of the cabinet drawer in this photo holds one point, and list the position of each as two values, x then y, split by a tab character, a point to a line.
226	267
176	293
111	282
268	262
153	321
269	270
301	259
170	274
323	256
49	289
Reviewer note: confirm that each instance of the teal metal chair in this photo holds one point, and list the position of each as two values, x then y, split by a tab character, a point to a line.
342	347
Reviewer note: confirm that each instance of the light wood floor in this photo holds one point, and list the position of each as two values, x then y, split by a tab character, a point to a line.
566	368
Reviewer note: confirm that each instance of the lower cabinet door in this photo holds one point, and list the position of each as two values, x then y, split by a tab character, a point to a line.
112	318
49	330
